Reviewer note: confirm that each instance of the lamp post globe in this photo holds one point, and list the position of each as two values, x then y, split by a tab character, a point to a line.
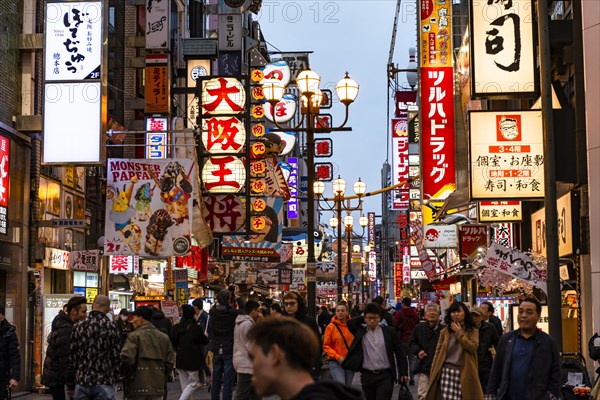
347	90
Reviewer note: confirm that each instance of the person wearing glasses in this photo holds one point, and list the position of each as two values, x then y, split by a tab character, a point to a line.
295	307
376	352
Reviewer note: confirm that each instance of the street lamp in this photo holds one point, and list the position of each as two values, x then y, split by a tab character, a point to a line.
308	82
342	203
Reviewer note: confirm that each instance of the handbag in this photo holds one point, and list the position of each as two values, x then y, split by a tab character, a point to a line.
404	392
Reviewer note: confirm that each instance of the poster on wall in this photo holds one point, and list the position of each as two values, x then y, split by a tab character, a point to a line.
148	207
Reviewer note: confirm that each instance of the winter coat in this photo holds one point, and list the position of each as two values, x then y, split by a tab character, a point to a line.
10	358
95	347
58	369
488	337
123	327
469	378
425	338
323	319
146	360
405	321
161	322
333	343
497	323
393	348
328	390
241	360
301	316
543	376
188	341
221	326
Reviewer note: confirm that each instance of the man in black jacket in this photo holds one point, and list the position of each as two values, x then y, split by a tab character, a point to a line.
488	342
491	318
221	326
422	343
527	363
377	353
58	369
10	358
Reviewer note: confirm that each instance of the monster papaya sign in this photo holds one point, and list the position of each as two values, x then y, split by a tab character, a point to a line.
148	207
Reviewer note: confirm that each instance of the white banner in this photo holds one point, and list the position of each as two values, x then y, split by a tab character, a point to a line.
516	264
148	207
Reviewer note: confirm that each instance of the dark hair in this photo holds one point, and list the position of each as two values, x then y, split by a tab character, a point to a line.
372	308
250	306
406	301
187	311
198	303
538	305
2	310
144	311
378	300
224	297
342	303
74	303
456	306
489	307
299	344
276	307
273	234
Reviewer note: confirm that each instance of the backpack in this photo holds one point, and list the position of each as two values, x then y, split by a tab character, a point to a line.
594	347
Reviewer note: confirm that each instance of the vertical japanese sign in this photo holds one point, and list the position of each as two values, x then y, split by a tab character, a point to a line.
416	235
506	155
473	237
73	93
157	25
371	229
398	279
4	183
437	94
406	265
503	56
400	196
230	32
566	223
148	207
195	70
292	204
156	137
157	84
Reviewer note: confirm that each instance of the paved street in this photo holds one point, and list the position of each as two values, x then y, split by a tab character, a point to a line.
175	391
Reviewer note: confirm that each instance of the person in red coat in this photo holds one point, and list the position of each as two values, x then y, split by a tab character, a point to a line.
405	320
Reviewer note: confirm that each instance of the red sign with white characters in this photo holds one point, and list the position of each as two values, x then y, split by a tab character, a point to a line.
472	238
400	196
437	132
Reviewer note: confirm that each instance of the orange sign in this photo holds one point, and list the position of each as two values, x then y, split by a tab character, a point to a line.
157	89
436	33
259	205
257	75
258	130
258	111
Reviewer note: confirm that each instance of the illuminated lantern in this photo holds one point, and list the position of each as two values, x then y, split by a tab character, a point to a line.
258	130
223	96
289	141
258	149
259	205
223	135
224	213
225	174
258	111
257	75
257	93
258	168
257	224
278	70
284	110
258	186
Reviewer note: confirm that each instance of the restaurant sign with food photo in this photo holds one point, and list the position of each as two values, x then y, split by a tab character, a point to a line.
148	207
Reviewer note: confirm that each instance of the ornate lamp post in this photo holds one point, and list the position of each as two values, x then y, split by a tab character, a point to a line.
311	99
343	204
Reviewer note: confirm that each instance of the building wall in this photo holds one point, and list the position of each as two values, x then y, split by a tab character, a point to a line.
591	44
10	65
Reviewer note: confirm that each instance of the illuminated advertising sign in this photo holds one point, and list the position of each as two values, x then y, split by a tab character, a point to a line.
499	211
503	52
506	155
400	164
565	225
195	69
292	204
4	183
156	137
437	94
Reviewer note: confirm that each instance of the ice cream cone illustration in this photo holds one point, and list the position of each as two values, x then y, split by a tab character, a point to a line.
157	229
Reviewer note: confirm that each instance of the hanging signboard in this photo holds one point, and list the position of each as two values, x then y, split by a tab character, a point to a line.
440	236
157	25
123	264
400	196
499	211
503	49
4	183
230	32
506	155
566	226
293	203
157	84
156	137
148	207
85	260
473	238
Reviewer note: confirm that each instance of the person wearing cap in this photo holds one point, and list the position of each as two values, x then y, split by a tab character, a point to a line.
147	358
10	358
488	341
124	327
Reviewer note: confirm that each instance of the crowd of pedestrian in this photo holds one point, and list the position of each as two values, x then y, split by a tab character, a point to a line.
248	350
